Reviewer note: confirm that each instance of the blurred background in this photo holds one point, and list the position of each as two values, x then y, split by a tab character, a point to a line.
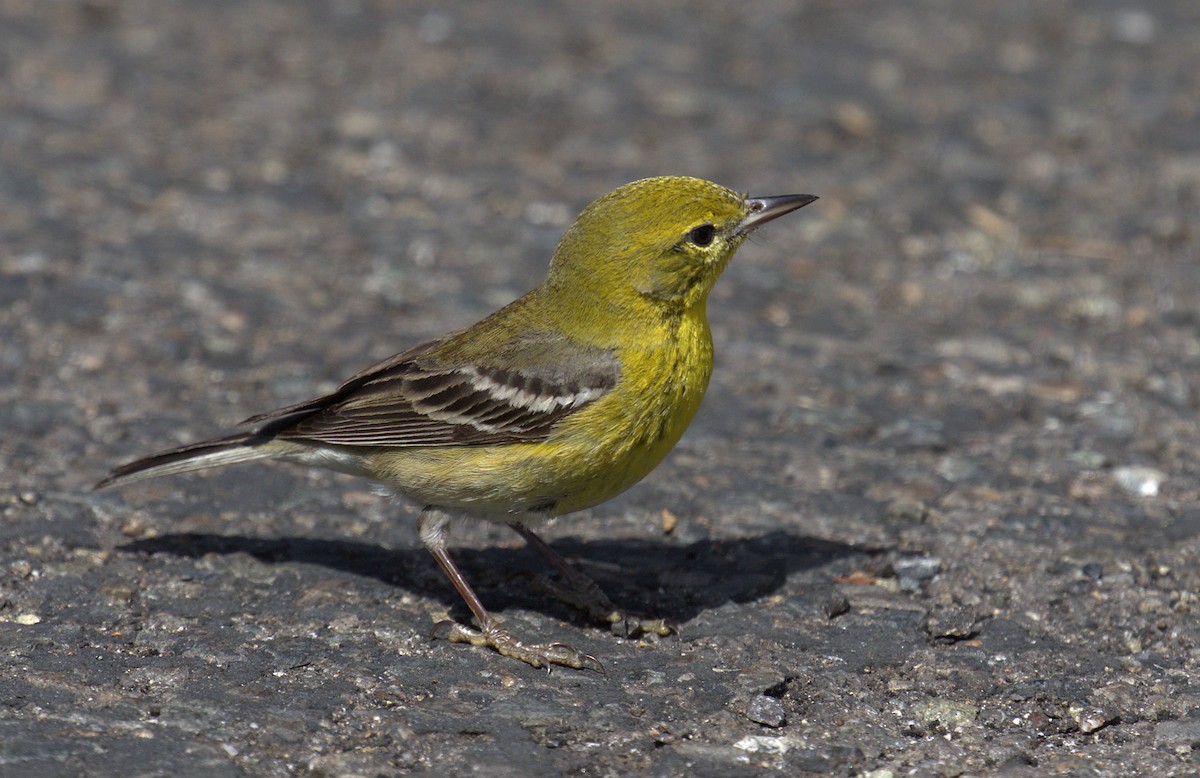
978	349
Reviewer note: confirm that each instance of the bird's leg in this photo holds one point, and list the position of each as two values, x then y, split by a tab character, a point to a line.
579	591
431	525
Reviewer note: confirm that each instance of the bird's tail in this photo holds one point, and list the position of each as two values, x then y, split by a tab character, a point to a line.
241	447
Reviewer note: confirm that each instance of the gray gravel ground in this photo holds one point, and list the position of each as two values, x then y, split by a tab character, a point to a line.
937	517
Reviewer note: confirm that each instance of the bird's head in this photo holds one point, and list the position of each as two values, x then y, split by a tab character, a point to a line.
659	241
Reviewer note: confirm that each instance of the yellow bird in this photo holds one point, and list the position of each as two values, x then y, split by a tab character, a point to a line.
557	402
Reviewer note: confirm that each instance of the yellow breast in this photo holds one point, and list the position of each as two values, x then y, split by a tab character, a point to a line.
643	418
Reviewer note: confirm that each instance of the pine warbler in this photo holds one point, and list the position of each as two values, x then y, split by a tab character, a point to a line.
557	402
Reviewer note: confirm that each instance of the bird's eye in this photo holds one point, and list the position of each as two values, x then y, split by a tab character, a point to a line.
702	235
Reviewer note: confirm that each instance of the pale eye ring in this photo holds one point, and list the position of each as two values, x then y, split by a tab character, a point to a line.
703	235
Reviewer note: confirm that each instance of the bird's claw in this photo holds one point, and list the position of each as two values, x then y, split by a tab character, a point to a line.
541	655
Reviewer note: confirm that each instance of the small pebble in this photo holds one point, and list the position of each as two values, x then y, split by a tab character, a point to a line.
913	572
767	711
1139	481
761	744
1135	27
955	469
855	120
909	510
134	526
836	605
1088	459
947	713
952	622
1090	719
669	520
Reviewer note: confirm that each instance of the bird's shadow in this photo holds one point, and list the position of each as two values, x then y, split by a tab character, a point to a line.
662	579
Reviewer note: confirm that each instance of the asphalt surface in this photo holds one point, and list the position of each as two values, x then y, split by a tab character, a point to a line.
938	515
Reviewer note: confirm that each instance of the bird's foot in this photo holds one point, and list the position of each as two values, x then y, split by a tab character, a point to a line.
542	655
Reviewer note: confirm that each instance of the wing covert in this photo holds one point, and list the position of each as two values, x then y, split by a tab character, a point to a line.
414	400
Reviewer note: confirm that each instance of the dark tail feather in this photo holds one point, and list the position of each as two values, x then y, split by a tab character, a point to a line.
242	447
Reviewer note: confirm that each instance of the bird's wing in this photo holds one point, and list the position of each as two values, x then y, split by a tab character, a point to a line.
426	397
